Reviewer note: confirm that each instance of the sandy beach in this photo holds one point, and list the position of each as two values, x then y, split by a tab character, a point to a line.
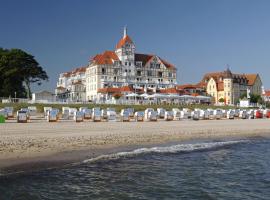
66	141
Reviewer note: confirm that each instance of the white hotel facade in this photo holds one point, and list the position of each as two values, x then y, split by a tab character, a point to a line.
111	71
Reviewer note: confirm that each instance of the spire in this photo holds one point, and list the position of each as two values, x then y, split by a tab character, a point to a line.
227	72
125	32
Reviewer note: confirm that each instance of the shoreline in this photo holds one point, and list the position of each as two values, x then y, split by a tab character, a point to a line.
39	144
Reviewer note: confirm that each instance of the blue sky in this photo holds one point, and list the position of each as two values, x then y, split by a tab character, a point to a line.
197	36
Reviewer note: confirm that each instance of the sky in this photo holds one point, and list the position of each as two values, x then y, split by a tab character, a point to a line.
197	36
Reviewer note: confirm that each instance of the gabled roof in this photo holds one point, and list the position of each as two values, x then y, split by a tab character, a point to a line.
106	58
251	78
167	64
123	41
145	58
225	74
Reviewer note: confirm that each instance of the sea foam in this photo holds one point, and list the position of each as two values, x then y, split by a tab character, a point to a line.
169	149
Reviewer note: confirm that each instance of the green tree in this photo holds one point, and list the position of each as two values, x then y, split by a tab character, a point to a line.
221	100
18	71
254	98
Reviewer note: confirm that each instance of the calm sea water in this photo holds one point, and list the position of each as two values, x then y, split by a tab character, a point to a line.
202	170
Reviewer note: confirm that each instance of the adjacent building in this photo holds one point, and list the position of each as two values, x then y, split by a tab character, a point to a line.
266	96
112	71
43	97
71	86
228	87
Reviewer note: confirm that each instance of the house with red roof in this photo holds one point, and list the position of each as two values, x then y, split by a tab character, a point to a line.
110	72
71	86
228	87
266	95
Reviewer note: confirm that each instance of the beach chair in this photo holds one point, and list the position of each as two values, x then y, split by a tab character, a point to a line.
65	112
230	114
9	111
218	114
26	110
71	112
250	114
161	113
131	112
46	110
152	116
52	115
96	115
243	114
125	115
139	116
147	110
21	116
32	111
3	113
104	113
196	115
168	116
78	116
87	113
111	116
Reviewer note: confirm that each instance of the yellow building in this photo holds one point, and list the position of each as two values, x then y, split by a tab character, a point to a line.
229	87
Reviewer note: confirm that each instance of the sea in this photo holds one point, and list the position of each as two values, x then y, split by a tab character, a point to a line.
215	169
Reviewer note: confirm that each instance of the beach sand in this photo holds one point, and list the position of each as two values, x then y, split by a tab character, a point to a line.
40	143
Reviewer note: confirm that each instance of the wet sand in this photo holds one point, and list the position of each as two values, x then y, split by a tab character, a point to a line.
40	143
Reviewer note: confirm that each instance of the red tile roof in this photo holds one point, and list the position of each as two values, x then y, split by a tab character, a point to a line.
126	89
116	90
186	86
251	78
169	91
123	41
107	57
220	86
75	71
267	93
109	90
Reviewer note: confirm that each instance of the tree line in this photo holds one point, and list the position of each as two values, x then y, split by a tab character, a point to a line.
18	70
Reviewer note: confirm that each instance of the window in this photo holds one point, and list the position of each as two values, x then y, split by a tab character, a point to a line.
129	63
160	74
126	63
149	73
158	66
139	73
139	64
170	74
103	70
152	65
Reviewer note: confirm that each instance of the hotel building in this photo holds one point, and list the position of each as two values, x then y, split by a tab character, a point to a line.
123	69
